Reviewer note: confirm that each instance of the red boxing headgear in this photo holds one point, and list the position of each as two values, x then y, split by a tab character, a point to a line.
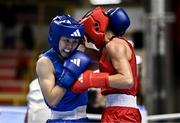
95	23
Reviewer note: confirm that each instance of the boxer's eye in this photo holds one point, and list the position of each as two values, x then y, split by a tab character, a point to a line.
96	27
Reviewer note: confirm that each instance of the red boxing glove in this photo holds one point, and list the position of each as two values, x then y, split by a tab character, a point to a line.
89	79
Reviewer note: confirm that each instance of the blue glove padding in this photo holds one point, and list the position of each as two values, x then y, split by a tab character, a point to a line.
73	66
66	79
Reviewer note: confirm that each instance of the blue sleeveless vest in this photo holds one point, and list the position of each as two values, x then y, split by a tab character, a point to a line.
70	100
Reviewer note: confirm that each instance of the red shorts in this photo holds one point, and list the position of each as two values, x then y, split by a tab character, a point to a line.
117	114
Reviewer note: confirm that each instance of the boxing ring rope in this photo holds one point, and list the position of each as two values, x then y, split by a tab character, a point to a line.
148	118
13	109
21	111
163	117
94	116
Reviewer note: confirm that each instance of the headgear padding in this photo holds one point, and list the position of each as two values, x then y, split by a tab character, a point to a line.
95	24
64	26
119	20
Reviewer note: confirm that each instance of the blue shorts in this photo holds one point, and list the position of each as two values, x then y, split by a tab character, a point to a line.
85	120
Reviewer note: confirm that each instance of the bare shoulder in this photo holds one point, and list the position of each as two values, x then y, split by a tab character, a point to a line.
43	65
116	47
43	61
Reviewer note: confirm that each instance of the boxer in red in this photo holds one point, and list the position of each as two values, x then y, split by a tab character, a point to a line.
117	65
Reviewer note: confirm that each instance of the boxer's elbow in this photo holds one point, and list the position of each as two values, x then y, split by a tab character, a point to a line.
129	82
52	103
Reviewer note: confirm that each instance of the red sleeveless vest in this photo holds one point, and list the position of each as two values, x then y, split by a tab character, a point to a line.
106	66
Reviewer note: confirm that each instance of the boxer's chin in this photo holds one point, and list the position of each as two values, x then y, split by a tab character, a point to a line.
65	53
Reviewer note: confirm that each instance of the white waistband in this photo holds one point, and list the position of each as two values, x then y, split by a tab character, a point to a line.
77	113
121	100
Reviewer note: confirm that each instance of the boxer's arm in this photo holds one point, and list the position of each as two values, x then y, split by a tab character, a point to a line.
93	54
90	50
119	56
51	92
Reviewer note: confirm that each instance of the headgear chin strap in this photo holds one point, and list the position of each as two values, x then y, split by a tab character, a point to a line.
64	26
95	23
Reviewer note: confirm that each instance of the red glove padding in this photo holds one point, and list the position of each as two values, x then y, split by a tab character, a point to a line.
89	79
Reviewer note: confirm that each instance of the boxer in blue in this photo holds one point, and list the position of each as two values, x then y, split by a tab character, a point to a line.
59	67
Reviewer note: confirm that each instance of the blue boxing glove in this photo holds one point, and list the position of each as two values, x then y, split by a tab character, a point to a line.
73	66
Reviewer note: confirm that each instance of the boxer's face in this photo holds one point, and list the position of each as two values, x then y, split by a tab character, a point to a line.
67	46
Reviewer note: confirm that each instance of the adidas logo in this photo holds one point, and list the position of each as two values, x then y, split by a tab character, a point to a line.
76	61
64	21
76	33
58	20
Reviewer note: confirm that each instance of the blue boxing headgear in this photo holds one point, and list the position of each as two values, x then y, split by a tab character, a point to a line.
64	26
119	20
